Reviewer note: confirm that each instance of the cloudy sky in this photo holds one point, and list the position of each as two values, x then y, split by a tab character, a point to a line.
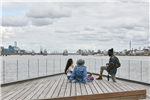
73	25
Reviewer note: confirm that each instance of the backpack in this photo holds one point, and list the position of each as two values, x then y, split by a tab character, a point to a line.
118	64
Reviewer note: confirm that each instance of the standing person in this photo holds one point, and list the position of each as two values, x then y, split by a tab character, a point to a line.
110	67
80	73
69	68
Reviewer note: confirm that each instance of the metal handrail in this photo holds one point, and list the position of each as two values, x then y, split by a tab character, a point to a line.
89	69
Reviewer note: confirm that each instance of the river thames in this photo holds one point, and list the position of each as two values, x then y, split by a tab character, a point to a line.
132	67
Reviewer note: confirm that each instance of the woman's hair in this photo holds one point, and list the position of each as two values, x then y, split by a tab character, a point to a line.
69	62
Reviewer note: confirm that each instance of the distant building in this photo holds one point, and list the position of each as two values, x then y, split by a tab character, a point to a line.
23	51
79	52
65	53
146	51
89	52
135	50
139	53
84	53
99	51
2	48
12	49
105	52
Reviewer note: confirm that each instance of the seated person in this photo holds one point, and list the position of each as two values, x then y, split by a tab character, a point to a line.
69	68
80	73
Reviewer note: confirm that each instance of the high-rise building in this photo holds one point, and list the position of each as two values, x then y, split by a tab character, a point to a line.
79	52
99	51
15	44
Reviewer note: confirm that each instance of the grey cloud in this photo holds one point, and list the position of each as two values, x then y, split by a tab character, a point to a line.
89	28
12	20
48	10
61	31
116	23
42	21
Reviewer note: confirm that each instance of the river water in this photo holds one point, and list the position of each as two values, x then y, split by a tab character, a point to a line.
132	67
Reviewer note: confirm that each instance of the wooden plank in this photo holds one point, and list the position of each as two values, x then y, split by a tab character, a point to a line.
36	88
93	88
120	87
104	90
11	87
17	87
63	88
50	93
123	85
12	95
67	92
73	89
112	95
25	90
88	89
109	85
83	89
133	85
125	98
29	91
14	90
78	89
105	86
97	87
36	95
132	95
127	86
57	90
101	86
113	85
51	83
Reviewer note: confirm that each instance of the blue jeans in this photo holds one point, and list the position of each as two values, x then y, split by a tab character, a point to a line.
68	77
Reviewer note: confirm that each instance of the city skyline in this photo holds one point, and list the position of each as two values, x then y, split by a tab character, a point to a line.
72	26
88	50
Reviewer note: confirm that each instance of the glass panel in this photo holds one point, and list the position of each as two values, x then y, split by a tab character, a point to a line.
86	63
98	65
2	74
135	70
10	70
57	65
50	67
122	71
92	65
145	71
33	68
22	69
42	67
63	65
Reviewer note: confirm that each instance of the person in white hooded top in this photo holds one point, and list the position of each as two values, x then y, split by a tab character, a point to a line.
69	68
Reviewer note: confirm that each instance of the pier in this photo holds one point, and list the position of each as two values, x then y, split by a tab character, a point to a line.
54	87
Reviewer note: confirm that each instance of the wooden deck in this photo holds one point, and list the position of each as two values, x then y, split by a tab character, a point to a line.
55	87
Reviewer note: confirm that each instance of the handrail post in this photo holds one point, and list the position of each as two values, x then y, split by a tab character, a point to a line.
141	70
53	65
129	69
60	64
89	64
3	71
46	66
28	68
17	69
95	65
38	67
